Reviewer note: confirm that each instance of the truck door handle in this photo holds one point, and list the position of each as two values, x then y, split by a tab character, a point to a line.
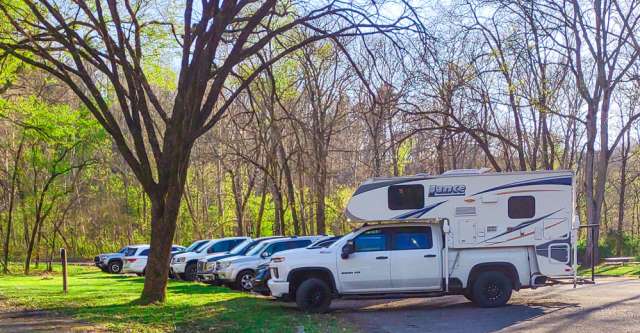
429	255
382	257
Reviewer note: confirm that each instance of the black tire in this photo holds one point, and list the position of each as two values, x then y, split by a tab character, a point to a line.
190	272
313	296
491	289
114	266
245	280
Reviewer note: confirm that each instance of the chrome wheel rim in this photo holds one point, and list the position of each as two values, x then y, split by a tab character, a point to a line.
247	281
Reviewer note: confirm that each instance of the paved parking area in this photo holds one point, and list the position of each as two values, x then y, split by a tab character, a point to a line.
611	305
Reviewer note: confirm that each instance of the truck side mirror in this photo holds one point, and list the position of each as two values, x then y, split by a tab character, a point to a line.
264	255
348	249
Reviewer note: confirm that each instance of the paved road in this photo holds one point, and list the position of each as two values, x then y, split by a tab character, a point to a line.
610	306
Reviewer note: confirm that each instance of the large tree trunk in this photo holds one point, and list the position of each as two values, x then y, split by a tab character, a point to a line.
165	206
164	213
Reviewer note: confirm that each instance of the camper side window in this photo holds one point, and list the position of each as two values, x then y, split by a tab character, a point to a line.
406	197
522	207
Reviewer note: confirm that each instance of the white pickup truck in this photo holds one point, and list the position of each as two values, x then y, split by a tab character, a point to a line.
402	259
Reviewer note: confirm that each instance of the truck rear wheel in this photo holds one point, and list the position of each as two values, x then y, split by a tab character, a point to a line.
491	289
314	296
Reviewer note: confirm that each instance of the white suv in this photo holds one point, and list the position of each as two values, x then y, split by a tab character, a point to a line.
239	272
185	265
135	258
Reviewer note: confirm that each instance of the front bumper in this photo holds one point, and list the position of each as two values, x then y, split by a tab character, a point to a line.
225	275
208	277
278	289
178	268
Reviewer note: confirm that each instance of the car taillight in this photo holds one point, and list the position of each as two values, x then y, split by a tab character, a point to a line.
131	260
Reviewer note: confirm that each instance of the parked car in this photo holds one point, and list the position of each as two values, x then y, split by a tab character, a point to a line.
239	272
110	262
207	265
185	265
135	258
263	274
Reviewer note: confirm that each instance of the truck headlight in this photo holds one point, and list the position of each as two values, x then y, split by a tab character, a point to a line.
180	259
223	265
277	259
210	266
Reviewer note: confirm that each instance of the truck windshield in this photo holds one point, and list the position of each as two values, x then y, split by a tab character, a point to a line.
195	246
257	249
243	247
123	250
324	243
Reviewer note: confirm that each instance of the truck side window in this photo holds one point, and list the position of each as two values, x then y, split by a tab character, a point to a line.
405	196
275	248
522	207
371	240
144	253
412	238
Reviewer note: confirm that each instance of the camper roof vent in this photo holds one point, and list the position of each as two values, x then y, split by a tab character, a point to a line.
466	171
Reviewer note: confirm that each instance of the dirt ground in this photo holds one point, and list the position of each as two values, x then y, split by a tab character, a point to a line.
18	321
611	305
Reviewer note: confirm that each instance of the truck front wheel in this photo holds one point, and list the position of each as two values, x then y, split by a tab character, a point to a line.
190	272
491	289
114	267
314	296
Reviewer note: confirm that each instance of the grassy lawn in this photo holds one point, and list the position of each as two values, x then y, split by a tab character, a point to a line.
613	270
106	300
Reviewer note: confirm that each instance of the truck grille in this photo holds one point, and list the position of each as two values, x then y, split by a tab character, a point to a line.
96	259
201	266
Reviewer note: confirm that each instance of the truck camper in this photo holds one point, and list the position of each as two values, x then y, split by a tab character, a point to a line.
471	232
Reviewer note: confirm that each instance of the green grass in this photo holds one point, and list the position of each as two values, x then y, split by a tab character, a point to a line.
108	301
613	270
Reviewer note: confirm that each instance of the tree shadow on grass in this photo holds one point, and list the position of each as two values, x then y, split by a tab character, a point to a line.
232	313
196	288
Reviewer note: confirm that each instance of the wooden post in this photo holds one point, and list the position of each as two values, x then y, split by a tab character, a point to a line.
63	258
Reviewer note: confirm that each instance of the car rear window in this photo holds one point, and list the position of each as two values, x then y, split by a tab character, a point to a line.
145	252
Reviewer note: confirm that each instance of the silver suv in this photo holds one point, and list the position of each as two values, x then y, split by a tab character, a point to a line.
110	262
